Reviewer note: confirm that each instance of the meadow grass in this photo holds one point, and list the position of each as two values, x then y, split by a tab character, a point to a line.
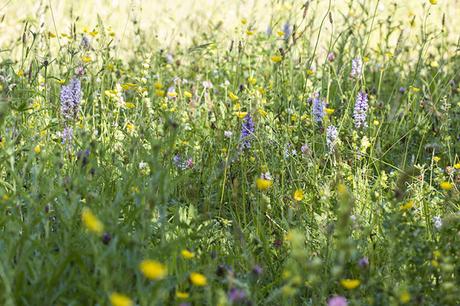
313	162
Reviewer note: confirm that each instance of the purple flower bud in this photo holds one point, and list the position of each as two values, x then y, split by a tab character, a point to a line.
331	57
363	262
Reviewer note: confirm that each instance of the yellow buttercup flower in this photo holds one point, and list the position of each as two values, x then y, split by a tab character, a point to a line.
182	295
404	297
276	58
118	299
407	206
153	269
263	184
187	254
130	127
130	105
330	111
198	279
86	59
436	158
446	186
350	283
91	222
188	94
298	195
37	149
457	166
434	2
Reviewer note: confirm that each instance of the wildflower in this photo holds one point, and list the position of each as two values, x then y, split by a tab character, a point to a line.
207	85
70	99
91	222
187	254
153	269
286	31
337	300
232	96
434	2
172	92
198	279
298	195
446	186
305	149
436	158
118	299
37	149
182	295
350	283
247	132
331	137
169	58
236	295
67	135
404	297
331	56
360	112
264	182
318	108
402	90
363	262
407	206
356	68
276	58
106	238
457	166
257	270
188	94
228	134
85	42
437	222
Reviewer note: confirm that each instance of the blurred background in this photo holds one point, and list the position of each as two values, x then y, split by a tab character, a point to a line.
179	21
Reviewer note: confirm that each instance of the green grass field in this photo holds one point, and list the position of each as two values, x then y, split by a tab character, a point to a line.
230	152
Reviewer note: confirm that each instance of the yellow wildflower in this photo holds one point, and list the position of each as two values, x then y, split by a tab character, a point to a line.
436	158
404	297
188	94
434	2
130	105
182	295
187	254
118	299
241	115
350	283
91	222
37	149
276	58
232	96
130	127
252	81
153	269
407	206
446	186
457	166
263	184
198	279
298	195
330	111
